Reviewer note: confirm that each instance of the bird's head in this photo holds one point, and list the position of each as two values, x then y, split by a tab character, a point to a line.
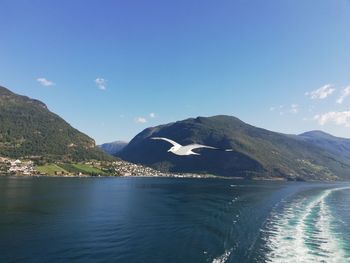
172	149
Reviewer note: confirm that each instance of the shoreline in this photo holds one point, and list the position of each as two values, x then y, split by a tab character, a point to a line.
194	176
181	176
184	176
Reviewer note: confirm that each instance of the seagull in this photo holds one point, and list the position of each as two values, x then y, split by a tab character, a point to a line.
184	150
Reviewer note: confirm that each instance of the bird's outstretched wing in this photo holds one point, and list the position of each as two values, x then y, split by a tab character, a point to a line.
196	146
167	140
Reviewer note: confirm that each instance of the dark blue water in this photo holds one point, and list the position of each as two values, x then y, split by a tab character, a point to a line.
172	220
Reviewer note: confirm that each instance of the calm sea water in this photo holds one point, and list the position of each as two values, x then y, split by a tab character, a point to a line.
172	220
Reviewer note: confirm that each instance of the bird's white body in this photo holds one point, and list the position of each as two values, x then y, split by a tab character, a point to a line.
184	150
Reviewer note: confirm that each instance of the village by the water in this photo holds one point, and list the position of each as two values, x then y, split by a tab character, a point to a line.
27	167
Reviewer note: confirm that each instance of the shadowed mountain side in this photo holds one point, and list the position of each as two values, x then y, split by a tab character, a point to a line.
256	152
210	161
113	147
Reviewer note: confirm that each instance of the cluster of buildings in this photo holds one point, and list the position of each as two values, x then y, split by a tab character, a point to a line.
117	168
16	167
122	168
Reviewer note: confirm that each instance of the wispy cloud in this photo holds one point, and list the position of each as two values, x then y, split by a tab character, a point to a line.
294	108
321	93
140	120
281	109
344	94
152	115
45	82
275	108
337	117
101	83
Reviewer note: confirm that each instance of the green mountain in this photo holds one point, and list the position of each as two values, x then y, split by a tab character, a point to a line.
256	152
28	128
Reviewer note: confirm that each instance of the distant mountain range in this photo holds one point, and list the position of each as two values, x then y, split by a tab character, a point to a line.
330	143
256	152
113	147
28	128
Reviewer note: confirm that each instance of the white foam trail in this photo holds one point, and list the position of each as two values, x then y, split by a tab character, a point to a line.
223	258
303	233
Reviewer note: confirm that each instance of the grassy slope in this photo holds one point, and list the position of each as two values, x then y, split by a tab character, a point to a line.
66	168
50	169
82	168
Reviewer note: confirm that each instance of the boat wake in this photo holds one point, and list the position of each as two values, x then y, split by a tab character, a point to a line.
303	232
223	258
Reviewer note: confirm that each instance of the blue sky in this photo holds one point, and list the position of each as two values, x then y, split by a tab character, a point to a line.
113	68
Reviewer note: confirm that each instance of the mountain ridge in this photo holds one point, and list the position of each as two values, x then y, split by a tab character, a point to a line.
336	145
257	152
